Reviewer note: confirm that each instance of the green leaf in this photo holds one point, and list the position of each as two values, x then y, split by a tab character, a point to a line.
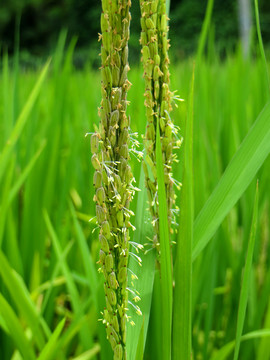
140	347
22	299
165	255
236	178
246	279
23	176
15	329
183	264
90	354
85	333
3	325
226	350
205	28
49	286
257	16
22	119
88	262
145	274
48	351
4	197
263	352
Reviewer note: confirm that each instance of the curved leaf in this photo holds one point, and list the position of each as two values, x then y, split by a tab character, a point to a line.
236	178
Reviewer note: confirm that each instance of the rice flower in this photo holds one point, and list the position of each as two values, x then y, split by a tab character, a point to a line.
158	103
113	176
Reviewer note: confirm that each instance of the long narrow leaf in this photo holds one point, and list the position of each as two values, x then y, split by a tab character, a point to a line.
140	347
23	117
3	325
145	275
165	256
246	279
4	198
236	178
90	354
55	272
48	352
85	333
25	173
88	263
257	17
263	352
15	329
205	28
22	299
226	350
183	266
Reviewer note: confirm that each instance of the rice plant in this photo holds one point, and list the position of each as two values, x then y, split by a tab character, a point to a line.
113	176
159	142
158	103
51	293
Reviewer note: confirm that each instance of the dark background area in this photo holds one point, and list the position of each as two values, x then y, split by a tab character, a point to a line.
40	22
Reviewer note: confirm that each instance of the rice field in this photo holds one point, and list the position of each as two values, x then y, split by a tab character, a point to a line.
48	238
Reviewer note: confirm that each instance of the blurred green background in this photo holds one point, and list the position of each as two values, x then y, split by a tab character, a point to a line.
40	22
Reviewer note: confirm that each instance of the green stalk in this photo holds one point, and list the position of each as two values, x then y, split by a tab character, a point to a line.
165	258
168	4
113	176
182	315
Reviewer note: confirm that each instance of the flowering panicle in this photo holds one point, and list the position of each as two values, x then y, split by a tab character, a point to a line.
158	100
113	176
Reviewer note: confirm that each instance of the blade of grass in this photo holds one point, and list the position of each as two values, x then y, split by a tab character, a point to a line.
7	111
59	52
51	281
257	16
165	256
48	351
183	264
237	176
85	333
69	334
46	285
3	325
16	69
23	176
204	31
226	350
145	274
246	279
140	347
90	354
15	329
88	262
22	119
263	352
155	332
4	200
12	249
22	299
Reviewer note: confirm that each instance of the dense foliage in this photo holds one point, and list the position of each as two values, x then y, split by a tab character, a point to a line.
42	20
46	202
